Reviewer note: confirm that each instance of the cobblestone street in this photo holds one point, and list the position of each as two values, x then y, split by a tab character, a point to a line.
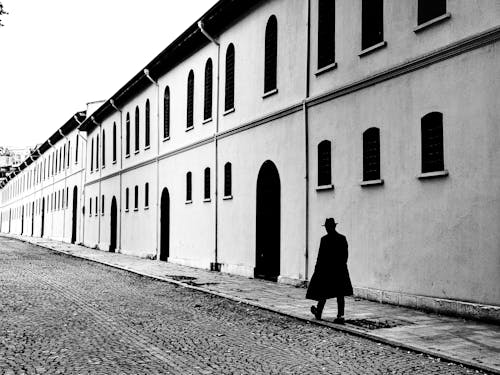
61	315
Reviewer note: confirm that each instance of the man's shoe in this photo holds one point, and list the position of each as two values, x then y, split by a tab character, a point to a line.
339	320
314	311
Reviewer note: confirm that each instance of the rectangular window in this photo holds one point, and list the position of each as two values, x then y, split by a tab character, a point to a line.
146	195
430	9
126	199
207	184
372	28
189	195
136	198
326	33
227	180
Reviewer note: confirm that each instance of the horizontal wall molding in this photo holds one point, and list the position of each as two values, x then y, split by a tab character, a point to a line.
444	53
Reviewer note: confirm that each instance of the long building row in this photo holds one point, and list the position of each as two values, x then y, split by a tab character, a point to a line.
232	146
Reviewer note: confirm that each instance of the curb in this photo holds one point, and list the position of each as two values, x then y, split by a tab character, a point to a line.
337	327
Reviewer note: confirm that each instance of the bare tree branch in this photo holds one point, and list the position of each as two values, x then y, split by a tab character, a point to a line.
2	12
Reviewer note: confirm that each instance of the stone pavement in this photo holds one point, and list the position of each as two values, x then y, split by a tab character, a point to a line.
471	343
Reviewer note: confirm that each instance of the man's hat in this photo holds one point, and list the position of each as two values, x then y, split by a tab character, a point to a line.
330	221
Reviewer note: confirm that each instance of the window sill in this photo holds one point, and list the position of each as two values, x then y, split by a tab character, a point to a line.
434	174
207	200
102	214
324	187
206	121
373	48
146	208
326	69
228	111
188	202
269	93
126	210
103	167
136	209
189	128
127	156
371	183
432	22
227	197
114	162
166	139
147	148
136	152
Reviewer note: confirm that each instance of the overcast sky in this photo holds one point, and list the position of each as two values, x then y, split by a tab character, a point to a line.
57	55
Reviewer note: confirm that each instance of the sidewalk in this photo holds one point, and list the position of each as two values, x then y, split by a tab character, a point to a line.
468	342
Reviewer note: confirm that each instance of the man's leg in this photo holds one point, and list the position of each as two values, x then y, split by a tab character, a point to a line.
340	306
320	307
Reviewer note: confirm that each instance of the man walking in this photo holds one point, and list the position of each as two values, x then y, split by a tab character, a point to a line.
331	277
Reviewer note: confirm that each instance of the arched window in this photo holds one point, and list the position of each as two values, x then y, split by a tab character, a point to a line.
146	195
136	198
92	155
227	180
229	89
103	148
207	184
127	196
371	154
166	113
428	10
190	100
97	152
207	104
432	142
189	187
147	131
324	163
114	142
137	126
326	33
372	23
127	135
102	205
271	54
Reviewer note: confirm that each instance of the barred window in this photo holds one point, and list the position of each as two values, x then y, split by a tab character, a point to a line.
432	142
324	163
207	183
166	113
271	54
430	9
146	195
137	126
207	108
189	187
127	135
372	24
147	130
229	88
227	180
190	100
326	33
114	141
371	154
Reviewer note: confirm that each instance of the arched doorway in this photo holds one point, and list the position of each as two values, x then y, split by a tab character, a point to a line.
113	230
268	223
32	218
43	217
74	215
22	220
165	225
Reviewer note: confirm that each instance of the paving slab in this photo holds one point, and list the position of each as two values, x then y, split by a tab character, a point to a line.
471	343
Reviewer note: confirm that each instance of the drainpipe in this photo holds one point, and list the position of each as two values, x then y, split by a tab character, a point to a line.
306	138
99	197
112	102
157	222
65	186
83	179
215	266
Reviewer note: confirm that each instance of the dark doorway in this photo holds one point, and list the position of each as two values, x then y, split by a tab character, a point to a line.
32	218
74	215
268	223
43	218
22	220
114	215
165	225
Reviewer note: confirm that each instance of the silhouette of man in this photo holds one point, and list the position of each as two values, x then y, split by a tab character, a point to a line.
331	277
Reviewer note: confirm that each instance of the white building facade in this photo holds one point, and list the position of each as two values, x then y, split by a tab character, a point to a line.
233	145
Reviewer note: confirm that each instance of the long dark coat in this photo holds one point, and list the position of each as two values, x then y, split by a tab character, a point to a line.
331	277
